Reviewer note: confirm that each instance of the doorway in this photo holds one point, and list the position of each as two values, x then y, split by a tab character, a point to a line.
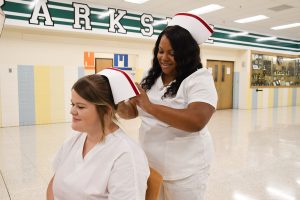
102	63
222	72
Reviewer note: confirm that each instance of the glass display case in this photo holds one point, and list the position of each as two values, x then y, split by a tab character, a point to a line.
274	70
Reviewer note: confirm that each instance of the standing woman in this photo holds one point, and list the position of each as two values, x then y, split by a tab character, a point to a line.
100	162
177	100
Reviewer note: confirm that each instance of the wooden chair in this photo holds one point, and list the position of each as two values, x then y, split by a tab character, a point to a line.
154	183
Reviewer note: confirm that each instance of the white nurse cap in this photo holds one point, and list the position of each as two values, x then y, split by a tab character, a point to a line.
197	27
121	84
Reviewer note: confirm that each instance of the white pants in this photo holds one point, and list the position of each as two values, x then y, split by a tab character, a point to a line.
189	188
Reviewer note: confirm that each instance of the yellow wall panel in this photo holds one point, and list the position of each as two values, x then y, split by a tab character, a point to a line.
0	109
57	94
42	94
280	97
290	97
249	99
298	97
271	97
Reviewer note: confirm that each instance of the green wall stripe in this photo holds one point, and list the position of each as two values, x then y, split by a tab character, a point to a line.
54	3
17	17
99	10
16	7
251	34
253	45
253	40
65	14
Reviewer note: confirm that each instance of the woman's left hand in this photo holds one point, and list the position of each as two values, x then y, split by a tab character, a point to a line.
142	100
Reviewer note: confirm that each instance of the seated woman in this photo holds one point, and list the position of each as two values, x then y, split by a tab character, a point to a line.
100	161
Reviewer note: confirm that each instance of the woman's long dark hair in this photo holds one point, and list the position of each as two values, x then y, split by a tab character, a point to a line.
186	55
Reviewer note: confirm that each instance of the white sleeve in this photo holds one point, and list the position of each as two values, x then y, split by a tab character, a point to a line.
202	89
123	181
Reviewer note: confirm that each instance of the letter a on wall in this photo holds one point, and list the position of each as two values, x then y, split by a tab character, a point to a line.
89	60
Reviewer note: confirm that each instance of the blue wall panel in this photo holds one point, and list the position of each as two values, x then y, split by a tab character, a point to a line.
26	94
236	79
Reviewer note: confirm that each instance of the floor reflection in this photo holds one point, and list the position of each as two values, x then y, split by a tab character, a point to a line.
257	155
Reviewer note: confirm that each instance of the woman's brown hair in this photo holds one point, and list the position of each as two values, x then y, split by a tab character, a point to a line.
96	89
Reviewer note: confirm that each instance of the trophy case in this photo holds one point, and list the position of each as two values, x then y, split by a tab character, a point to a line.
271	70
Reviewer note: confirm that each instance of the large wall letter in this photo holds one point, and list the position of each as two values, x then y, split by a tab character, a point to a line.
114	23
146	21
82	16
41	11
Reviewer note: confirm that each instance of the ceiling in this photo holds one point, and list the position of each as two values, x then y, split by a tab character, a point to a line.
233	10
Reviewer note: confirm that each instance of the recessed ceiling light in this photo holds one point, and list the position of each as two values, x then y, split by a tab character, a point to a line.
251	19
136	1
206	9
265	39
285	26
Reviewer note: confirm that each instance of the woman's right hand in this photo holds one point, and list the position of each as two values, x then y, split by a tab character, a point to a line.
127	109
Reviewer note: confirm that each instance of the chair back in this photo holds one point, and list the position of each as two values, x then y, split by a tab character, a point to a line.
154	184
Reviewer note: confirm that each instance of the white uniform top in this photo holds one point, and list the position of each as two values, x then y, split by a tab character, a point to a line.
173	152
115	169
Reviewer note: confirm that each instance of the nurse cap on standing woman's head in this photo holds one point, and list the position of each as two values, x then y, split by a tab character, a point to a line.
197	27
121	84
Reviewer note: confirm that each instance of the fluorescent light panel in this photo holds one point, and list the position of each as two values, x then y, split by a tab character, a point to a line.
251	19
206	9
136	1
285	26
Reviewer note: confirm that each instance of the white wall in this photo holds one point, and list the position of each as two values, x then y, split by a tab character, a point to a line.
55	49
9	105
23	46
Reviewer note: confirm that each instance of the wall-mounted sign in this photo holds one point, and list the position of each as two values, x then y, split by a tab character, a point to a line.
89	60
77	16
86	17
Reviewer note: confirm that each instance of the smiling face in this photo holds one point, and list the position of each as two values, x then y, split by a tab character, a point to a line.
166	58
85	117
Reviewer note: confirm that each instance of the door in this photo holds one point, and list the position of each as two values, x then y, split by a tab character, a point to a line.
222	72
102	63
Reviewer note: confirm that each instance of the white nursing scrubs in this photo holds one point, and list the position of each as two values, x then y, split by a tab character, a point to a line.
116	169
175	153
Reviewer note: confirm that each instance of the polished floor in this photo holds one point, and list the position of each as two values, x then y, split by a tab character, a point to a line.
257	156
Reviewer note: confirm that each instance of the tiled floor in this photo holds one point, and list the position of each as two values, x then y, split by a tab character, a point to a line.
257	156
